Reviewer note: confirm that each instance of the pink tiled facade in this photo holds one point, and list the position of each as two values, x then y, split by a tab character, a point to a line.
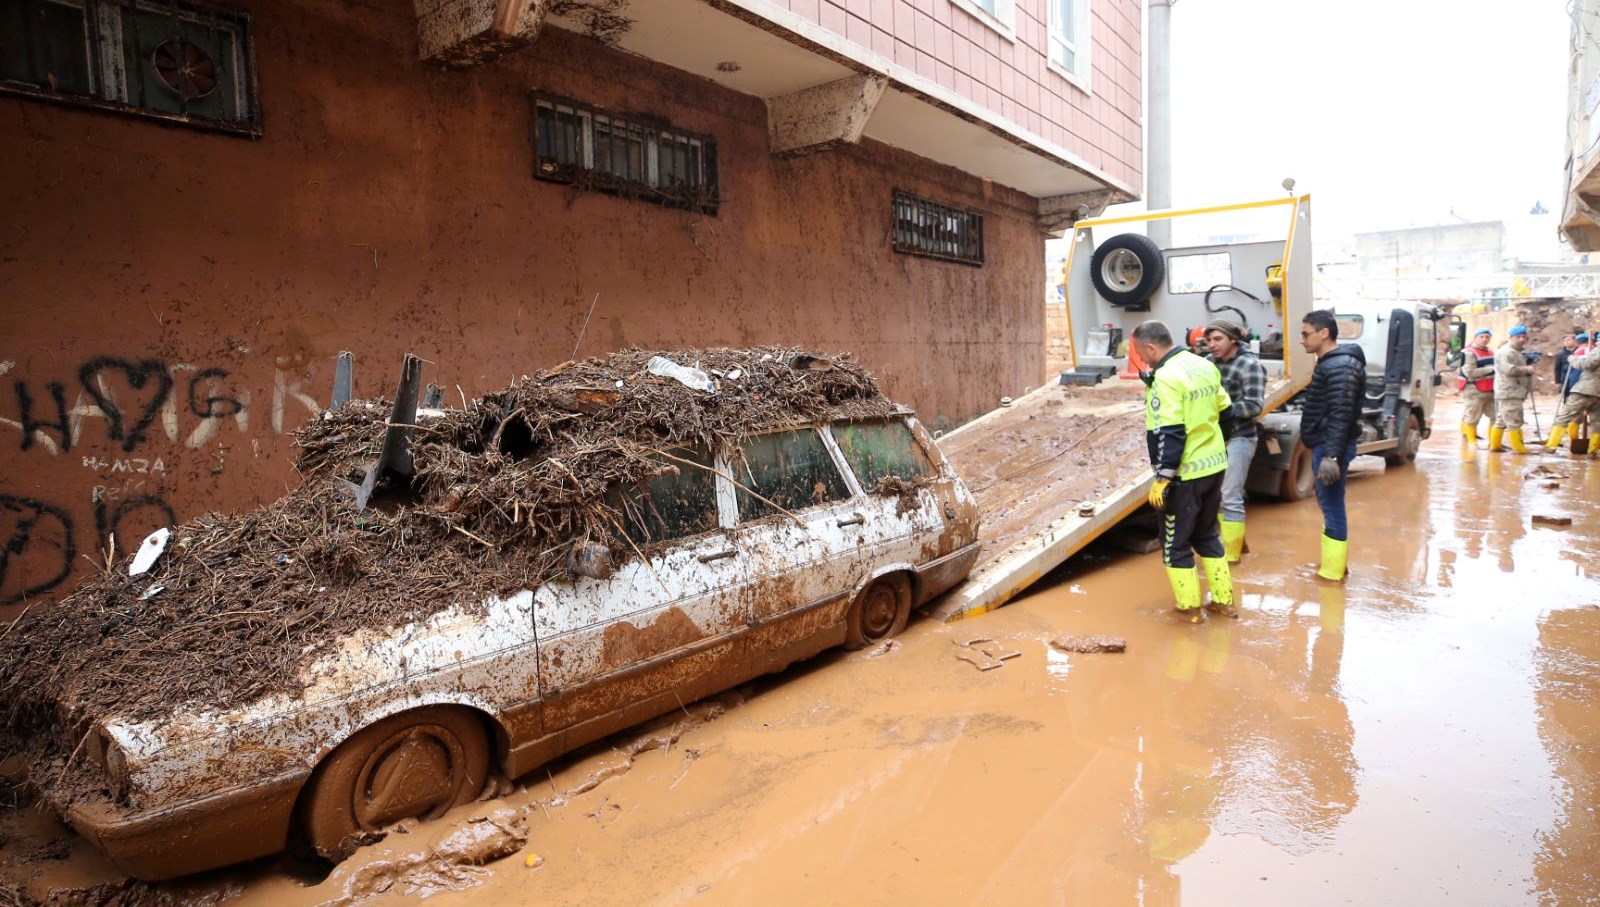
944	43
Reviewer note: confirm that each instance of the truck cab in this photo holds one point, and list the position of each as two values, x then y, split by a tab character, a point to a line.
1400	342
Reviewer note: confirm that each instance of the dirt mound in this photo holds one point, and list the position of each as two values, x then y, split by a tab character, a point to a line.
240	603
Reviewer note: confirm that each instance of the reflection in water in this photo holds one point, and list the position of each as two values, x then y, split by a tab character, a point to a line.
1568	697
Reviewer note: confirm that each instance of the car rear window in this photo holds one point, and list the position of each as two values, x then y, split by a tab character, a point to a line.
682	501
791	469
878	450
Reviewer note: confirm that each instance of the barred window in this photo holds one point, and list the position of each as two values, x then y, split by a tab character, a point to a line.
923	227
623	155
182	62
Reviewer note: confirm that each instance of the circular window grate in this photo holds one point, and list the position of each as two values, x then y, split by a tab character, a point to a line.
185	69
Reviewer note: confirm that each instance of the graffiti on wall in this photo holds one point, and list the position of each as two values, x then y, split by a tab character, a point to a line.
124	421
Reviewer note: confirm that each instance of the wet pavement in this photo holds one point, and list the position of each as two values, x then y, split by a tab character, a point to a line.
1428	733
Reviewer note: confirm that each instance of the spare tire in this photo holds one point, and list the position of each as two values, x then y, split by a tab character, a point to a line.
1127	269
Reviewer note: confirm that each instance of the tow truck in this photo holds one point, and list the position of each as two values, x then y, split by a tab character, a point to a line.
1062	465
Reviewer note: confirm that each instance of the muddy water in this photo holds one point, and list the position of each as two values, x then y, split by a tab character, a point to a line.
1427	734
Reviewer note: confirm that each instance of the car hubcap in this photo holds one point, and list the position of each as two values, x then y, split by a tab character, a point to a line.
879	611
1122	269
412	773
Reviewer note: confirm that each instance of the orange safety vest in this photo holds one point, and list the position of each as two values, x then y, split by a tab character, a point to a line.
1484	361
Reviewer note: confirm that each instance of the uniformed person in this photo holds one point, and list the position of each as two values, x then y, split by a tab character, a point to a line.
1513	382
1477	386
1184	404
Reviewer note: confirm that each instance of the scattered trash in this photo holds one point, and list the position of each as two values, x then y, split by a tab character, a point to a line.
731	374
1089	645
149	551
533	861
884	648
984	654
1545	519
151	592
689	377
283	560
1544	471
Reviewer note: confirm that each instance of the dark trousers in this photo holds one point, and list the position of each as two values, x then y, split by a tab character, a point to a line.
1331	497
1189	524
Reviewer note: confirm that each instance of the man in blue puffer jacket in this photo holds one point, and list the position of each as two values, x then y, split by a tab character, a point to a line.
1330	425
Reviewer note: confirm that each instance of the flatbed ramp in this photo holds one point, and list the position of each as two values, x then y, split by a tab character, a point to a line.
1051	472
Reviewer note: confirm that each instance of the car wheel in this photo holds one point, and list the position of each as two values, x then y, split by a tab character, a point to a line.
416	764
880	612
1300	481
1410	441
1127	269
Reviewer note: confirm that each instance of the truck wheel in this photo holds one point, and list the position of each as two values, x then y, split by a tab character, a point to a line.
1127	269
416	764
880	612
1300	481
1410	441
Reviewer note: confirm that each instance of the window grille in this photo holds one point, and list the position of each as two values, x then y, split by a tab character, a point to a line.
923	227
181	62
623	155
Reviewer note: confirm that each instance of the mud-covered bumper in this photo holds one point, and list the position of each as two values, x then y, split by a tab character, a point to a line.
211	831
937	576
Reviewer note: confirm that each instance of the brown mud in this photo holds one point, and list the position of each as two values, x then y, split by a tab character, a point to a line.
1423	734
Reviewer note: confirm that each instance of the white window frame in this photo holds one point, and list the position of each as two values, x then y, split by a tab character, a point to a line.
1056	40
1003	21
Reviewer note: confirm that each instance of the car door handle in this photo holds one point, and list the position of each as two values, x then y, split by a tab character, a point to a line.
718	555
855	519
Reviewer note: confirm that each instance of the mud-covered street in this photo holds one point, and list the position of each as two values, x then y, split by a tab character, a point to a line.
1424	735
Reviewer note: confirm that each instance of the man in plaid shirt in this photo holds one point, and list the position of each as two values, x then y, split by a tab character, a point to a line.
1246	383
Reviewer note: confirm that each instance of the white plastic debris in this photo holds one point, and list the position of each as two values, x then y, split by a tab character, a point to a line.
151	592
149	550
689	377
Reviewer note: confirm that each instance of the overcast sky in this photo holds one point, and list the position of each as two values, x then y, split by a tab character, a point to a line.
1391	113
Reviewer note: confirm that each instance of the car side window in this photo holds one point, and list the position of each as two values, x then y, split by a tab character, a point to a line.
681	500
791	469
880	450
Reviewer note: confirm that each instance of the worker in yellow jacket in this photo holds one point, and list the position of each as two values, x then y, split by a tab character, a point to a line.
1186	435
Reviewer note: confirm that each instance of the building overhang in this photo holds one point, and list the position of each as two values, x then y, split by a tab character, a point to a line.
1580	218
822	91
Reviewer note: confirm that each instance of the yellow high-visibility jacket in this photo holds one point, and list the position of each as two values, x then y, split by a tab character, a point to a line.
1183	403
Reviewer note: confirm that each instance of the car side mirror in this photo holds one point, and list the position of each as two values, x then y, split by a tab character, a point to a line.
1458	337
1454	358
589	559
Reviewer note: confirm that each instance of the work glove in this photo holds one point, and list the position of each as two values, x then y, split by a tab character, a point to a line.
1328	471
1158	492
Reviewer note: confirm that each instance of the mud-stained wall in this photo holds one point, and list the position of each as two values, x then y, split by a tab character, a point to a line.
173	300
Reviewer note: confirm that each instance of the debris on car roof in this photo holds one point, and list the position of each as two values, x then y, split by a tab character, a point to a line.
500	491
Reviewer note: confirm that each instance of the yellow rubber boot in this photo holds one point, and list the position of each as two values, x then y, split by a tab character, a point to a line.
1496	435
1469	433
1514	438
1220	579
1233	540
1557	434
1335	559
1186	591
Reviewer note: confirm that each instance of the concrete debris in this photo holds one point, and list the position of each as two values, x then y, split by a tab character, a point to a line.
1089	645
884	648
1545	519
984	654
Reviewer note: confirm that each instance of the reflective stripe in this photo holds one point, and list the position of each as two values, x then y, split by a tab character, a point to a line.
1187	390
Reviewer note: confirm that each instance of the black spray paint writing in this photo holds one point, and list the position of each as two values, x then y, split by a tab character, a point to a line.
152	383
39	538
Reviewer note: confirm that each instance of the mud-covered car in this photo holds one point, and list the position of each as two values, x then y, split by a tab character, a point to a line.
619	573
